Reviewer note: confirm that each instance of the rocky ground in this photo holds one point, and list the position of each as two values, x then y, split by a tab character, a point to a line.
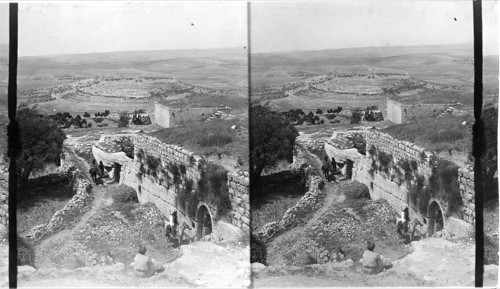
97	247
202	264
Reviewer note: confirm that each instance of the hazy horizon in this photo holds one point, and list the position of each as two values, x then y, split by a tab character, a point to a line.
100	27
293	26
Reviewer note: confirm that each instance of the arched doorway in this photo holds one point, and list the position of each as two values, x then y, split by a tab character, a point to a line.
436	220
203	222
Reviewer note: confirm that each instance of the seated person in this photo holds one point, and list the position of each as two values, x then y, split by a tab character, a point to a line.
374	263
143	265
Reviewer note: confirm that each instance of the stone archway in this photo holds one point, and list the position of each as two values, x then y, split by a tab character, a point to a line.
436	217
204	222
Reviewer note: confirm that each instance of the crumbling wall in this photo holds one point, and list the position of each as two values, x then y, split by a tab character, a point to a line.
78	204
394	111
310	202
396	192
239	193
173	117
161	189
466	183
162	115
398	112
4	196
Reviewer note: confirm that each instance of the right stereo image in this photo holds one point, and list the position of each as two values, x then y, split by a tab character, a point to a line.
362	165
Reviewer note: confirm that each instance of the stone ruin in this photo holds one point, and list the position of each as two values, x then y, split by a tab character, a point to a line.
166	187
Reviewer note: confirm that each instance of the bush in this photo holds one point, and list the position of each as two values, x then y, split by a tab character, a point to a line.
384	159
258	251
153	163
25	253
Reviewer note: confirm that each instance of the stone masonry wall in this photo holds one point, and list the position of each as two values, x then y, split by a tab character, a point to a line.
172	117
164	194
78	204
239	193
311	201
398	112
394	111
382	185
162	115
466	181
4	196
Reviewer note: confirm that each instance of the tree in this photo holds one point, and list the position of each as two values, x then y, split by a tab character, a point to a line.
124	120
41	142
272	139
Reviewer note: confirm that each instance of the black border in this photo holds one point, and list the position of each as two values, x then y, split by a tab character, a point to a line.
478	142
13	142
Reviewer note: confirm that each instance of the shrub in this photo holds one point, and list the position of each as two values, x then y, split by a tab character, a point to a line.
212	187
359	143
174	169
372	150
182	169
153	163
384	159
321	185
25	253
215	139
140	154
258	251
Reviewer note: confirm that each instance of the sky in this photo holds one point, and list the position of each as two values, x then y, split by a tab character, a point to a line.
287	26
77	27
62	28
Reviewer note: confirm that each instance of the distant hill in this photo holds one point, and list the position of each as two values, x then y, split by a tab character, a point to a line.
208	67
440	63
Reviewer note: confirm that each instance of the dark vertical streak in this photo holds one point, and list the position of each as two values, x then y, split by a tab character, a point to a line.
478	139
13	143
249	78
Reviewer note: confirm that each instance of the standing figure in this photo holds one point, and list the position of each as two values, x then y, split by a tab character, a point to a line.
101	169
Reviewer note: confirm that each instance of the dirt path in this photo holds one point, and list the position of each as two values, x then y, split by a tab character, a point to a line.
333	195
43	256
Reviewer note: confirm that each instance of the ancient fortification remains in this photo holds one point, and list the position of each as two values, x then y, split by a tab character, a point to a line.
205	196
173	117
4	196
399	112
407	175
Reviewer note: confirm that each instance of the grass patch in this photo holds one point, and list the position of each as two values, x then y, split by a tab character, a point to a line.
278	193
210	138
438	134
41	199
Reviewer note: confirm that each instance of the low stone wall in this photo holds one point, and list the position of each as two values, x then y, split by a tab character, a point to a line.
466	181
78	204
310	202
239	193
4	197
